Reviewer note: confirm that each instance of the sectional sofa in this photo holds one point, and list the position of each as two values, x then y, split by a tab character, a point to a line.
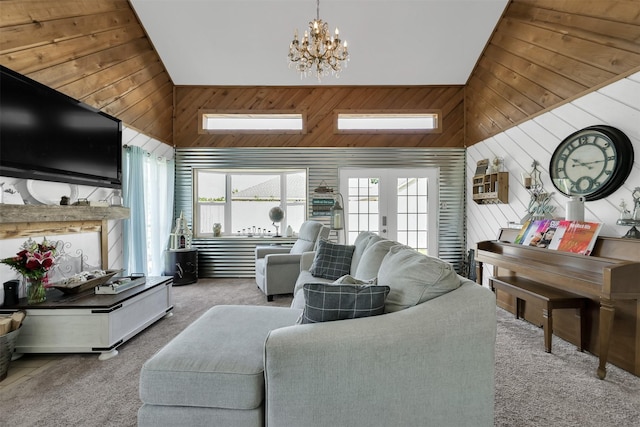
428	359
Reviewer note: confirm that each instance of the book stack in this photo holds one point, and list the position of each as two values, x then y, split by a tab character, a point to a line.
569	236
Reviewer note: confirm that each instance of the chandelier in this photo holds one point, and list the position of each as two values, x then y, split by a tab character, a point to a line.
319	53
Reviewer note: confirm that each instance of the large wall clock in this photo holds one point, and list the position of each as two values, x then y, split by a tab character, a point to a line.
592	162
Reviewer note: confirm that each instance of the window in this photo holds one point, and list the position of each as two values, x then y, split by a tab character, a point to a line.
388	122
251	122
240	200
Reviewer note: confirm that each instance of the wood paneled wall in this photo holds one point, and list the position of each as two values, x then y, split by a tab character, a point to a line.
546	52
319	103
94	51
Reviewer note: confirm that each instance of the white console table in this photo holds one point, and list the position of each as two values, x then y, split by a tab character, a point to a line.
89	323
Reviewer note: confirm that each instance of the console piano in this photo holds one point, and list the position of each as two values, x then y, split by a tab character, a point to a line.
609	278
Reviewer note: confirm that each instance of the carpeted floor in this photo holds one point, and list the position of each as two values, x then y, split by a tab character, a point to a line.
533	388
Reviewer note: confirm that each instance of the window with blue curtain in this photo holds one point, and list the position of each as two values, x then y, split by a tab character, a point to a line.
148	193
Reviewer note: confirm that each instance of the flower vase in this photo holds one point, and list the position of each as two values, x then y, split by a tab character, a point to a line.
36	292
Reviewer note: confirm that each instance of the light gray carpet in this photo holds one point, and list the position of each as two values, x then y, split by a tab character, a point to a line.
533	388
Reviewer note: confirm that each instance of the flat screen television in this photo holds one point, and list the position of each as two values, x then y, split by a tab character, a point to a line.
49	136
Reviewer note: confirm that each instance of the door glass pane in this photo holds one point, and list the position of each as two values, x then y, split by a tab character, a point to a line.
363	206
411	221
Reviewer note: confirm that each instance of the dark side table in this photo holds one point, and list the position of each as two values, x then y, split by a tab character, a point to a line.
182	264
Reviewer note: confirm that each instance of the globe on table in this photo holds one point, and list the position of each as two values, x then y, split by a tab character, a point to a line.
276	214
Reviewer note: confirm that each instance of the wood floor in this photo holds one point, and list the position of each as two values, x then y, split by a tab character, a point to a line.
26	367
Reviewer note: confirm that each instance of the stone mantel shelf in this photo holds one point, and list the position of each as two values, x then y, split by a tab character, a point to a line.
56	213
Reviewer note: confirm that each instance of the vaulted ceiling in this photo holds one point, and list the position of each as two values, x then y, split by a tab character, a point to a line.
391	42
137	59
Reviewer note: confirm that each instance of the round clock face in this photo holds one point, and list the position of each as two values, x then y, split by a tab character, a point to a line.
592	162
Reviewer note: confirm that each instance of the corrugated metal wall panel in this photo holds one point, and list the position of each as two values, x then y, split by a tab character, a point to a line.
231	258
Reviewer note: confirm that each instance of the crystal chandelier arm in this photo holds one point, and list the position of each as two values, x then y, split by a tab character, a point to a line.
318	51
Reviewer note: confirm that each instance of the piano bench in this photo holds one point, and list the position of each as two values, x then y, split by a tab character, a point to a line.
551	298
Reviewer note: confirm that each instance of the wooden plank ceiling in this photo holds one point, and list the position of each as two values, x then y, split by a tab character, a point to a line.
94	51
546	52
543	53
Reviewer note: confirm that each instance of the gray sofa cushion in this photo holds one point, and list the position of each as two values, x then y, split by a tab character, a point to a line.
332	260
414	277
329	302
201	367
361	243
372	259
307	237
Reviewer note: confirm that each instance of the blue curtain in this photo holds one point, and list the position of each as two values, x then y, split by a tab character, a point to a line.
134	230
159	198
148	193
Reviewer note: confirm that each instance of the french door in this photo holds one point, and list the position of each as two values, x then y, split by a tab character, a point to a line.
398	204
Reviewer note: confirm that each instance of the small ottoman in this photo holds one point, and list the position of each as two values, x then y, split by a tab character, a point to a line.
212	373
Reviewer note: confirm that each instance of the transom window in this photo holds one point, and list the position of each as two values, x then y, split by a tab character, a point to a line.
240	200
388	121
251	122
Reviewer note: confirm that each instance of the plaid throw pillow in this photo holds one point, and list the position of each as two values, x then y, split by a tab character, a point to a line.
326	302
331	260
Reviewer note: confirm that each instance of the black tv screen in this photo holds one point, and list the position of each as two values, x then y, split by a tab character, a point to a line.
46	135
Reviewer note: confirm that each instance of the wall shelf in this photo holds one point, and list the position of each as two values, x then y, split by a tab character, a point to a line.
491	188
19	221
55	213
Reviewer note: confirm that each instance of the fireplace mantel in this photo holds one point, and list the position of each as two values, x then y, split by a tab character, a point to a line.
20	221
54	213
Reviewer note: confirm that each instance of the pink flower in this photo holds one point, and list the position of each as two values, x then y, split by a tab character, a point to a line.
33	260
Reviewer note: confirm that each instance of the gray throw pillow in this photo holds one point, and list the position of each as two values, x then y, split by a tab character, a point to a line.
372	258
414	277
331	260
325	302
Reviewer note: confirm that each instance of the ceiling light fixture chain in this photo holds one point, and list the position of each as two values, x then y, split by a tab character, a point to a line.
319	53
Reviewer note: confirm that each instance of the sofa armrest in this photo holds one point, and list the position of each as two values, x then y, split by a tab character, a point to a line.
273	259
306	259
262	251
429	364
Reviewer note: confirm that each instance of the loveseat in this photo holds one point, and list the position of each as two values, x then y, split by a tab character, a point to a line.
428	360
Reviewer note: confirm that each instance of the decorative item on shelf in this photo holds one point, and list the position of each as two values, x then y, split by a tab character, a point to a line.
11	292
116	198
10	196
496	165
481	167
35	289
632	219
322	188
337	214
276	215
539	204
181	236
217	229
33	262
575	204
81	202
319	53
